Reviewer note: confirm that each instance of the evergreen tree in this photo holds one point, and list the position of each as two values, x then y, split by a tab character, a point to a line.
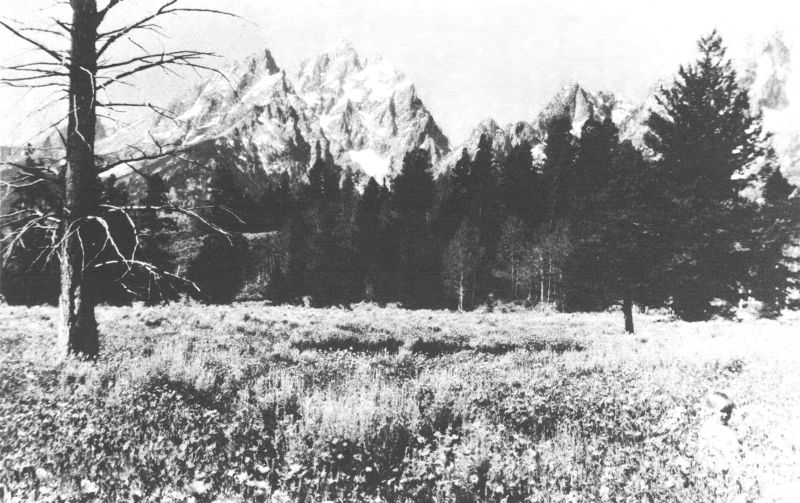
593	165
593	177
112	193
323	178
335	278
456	200
274	206
369	237
156	232
387	283
706	139
521	191
352	280
774	272
412	202
558	170
322	257
483	195
296	271
218	268
229	205
484	211
618	242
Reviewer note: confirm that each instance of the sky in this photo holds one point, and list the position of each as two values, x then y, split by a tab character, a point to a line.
469	59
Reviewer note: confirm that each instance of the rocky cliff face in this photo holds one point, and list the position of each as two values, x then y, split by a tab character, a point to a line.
256	118
775	93
572	102
368	111
264	122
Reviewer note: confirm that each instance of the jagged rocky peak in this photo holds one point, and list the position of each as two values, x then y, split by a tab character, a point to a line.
330	69
522	131
242	98
257	64
578	105
501	143
774	88
269	63
364	114
371	112
342	73
572	102
247	116
493	130
767	74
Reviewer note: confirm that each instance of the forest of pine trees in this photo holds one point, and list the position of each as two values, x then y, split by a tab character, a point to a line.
597	224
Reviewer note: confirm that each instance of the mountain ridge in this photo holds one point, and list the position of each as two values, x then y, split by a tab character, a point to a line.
265	122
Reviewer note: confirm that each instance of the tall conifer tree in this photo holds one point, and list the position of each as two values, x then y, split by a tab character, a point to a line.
707	141
417	268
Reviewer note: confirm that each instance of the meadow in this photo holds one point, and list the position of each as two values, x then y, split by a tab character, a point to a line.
258	403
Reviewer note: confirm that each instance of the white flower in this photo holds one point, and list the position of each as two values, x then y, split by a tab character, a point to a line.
280	497
198	487
89	487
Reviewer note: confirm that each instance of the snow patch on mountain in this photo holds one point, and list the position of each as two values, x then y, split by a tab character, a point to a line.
371	162
775	93
367	105
361	111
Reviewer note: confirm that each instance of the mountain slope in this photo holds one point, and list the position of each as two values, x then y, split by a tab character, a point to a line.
259	121
572	102
775	93
369	111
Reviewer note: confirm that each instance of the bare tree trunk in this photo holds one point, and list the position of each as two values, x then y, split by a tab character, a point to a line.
627	310
78	327
461	292
541	287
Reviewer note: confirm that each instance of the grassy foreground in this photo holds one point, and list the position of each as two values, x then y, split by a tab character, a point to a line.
255	403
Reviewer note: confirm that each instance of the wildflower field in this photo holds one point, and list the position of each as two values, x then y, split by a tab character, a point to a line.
257	403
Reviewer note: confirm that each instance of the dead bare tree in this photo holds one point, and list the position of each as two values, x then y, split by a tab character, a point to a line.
79	72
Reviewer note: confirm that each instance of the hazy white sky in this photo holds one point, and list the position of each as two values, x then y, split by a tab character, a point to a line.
469	59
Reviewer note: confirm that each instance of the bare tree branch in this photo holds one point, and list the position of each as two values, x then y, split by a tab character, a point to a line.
102	14
17	238
41	173
165	9
58	57
163	63
147	58
20	185
163	112
140	158
153	270
33	86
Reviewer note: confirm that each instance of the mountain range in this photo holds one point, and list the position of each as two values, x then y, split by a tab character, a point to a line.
359	111
262	121
364	114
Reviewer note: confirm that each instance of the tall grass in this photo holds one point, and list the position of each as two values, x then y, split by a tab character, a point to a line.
257	403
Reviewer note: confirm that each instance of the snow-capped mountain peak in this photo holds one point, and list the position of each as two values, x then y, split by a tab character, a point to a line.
369	111
774	87
255	118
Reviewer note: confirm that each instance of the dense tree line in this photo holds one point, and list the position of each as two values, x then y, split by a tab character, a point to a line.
699	223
